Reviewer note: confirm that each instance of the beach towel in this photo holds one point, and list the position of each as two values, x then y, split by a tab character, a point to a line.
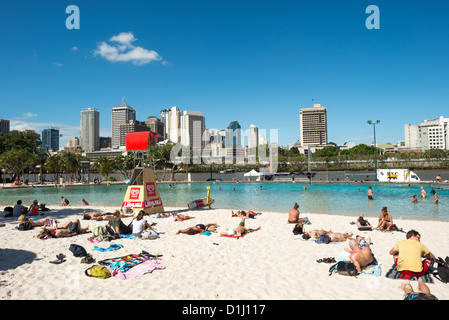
112	247
232	236
124	263
374	268
130	273
393	273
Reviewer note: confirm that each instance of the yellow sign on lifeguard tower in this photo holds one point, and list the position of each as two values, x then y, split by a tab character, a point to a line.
142	192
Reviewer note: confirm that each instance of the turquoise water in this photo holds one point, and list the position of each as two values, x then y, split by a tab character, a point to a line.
334	198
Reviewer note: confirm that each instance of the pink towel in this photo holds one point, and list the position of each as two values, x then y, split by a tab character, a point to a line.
144	267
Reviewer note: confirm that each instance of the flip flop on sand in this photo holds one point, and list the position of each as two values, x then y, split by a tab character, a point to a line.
60	258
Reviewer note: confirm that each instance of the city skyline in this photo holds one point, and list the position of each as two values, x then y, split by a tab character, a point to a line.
253	62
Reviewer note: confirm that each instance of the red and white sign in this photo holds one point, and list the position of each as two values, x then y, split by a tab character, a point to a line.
151	189
134	193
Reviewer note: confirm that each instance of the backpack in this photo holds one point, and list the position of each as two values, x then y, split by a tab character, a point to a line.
441	270
25	226
77	250
150	234
298	229
345	268
98	272
100	232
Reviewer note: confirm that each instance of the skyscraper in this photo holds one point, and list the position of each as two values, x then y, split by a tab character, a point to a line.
50	138
253	140
192	129
4	126
90	129
121	114
313	125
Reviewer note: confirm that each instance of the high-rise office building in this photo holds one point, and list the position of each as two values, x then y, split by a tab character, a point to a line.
233	141
4	126
50	138
157	126
253	140
313	125
165	116
192	129
90	129
121	114
131	126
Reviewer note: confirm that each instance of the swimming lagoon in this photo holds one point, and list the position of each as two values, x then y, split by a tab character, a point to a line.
324	198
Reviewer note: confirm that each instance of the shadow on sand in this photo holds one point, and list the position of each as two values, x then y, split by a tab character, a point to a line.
13	258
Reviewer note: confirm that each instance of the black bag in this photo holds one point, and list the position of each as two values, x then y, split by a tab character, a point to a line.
345	268
25	226
441	270
298	229
77	250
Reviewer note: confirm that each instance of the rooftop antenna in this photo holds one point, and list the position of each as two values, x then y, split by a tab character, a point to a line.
123	101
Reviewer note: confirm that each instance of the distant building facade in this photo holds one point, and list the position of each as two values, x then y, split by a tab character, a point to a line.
4	126
50	138
429	134
313	126
90	129
121	114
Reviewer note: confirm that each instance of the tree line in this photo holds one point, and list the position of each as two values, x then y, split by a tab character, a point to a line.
21	153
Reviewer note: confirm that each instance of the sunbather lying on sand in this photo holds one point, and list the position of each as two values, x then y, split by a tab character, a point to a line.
248	213
240	230
334	236
68	229
199	228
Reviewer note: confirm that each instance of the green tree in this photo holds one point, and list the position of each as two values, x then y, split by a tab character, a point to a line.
105	166
17	161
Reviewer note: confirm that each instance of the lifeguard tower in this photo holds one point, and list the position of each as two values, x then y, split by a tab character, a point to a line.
142	192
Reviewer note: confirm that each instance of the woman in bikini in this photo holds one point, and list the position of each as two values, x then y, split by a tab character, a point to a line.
385	220
243	214
199	228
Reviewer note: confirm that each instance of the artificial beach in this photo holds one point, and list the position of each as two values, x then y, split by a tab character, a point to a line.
270	264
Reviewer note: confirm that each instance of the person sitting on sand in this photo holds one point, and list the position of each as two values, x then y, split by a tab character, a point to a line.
199	228
248	213
334	236
360	257
407	255
68	229
240	230
33	210
64	201
19	209
293	215
116	223
139	224
423	292
385	220
362	222
85	203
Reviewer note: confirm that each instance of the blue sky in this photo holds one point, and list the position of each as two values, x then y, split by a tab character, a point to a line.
257	62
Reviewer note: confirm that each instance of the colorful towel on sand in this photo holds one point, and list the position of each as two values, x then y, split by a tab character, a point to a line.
124	263
144	267
232	236
112	247
393	273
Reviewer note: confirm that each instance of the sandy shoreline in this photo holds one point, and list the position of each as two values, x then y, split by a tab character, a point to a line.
270	264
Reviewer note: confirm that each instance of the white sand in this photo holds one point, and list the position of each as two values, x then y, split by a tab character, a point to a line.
268	264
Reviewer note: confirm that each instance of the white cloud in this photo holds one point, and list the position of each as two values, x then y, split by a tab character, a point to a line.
121	49
74	48
27	115
58	64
